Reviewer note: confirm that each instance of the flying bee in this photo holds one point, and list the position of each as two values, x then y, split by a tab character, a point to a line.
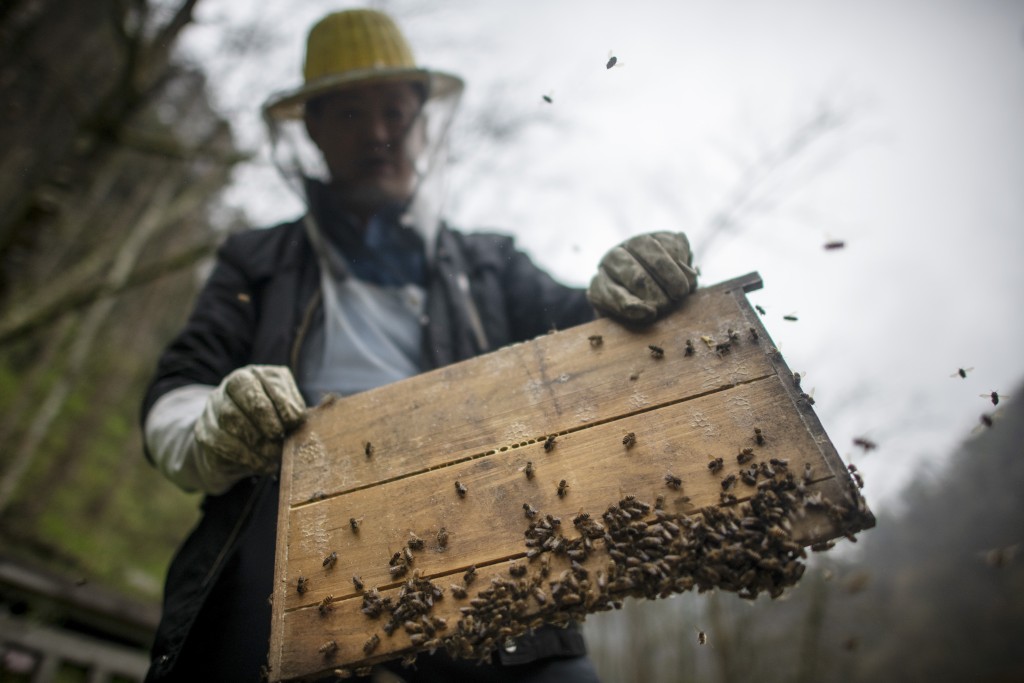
791	317
961	372
460	489
529	511
716	465
613	61
758	436
673	482
325	605
834	244
865	443
986	420
689	348
302	585
994	397
595	340
368	449
629	440
442	538
549	97
759	308
357	581
745	455
656	351
563	488
797	378
549	443
331	560
702	638
328	648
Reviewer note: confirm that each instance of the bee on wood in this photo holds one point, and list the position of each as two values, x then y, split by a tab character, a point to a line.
791	317
733	335
353	524
416	543
659	503
317	496
716	465
759	308
834	244
325	605
517	570
331	560
595	340
549	443
398	570
470	575
458	592
343	673
563	488
754	336
961	372
722	348
758	436
728	482
629	440
371	644
994	397
539	595
656	351
727	498
865	443
328	648
302	585
368	449
745	455
781	463
442	538
407	554
460	489
808	473
689	348
529	511
357	581
673	482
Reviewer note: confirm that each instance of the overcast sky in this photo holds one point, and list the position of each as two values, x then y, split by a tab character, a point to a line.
916	162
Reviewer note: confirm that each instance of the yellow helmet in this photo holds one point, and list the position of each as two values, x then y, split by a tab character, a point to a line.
355	47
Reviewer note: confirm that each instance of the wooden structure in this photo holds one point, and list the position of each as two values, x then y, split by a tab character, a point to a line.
407	513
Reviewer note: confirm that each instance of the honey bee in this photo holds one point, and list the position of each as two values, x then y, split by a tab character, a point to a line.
689	348
727	498
357	581
986	420
549	443
371	644
759	308
547	98
539	595
442	538
343	673
728	482
745	455
331	560
596	340
808	473
563	488
529	511
354	524
325	605
758	436
398	570
302	585
797	378
470	575
673	482
659	503
702	638
629	440
961	372
716	465
865	443
754	336
460	489
368	449
791	317
856	475
328	648
416	543
656	351
733	335
458	592
994	397
517	570
834	244
722	348
612	61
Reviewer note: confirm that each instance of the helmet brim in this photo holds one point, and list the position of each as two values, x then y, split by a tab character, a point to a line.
290	104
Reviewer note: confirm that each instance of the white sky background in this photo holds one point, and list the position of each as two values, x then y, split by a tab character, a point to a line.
923	178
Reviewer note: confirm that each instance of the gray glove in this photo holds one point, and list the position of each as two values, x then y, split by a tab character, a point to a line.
643	277
246	419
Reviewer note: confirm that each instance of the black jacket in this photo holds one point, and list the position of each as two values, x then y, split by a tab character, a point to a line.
254	309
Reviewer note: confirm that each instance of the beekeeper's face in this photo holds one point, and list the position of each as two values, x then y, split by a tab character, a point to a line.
369	136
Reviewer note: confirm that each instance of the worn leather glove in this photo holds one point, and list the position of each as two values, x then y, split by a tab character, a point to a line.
643	277
246	419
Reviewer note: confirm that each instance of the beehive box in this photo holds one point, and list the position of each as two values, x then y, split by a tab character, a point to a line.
550	479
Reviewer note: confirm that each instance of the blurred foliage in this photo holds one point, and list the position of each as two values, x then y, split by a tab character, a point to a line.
934	593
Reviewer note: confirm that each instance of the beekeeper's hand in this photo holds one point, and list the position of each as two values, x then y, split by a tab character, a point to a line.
246	419
643	277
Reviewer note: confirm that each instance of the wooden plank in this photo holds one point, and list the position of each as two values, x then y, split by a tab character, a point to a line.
480	423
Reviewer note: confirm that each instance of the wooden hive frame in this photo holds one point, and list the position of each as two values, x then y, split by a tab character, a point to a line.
610	434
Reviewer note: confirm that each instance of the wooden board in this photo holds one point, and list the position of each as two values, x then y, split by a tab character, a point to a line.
392	459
